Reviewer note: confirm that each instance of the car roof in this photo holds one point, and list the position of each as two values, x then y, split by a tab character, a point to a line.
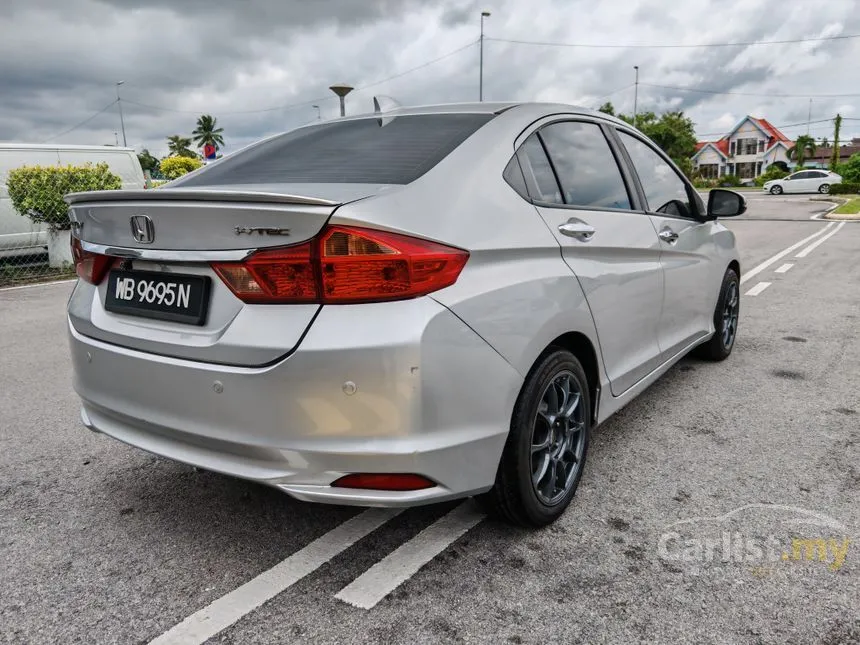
533	108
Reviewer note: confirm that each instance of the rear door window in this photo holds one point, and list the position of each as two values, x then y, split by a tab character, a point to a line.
585	165
665	191
357	151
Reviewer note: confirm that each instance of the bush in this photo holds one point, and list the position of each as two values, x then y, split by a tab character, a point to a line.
175	167
37	191
850	170
773	172
845	188
702	182
729	181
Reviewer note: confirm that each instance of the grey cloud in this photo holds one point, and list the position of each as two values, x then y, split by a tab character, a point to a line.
227	57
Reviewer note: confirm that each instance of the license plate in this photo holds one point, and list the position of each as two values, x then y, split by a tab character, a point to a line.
164	296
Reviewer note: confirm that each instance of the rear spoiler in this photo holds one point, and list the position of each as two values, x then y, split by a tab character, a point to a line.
193	194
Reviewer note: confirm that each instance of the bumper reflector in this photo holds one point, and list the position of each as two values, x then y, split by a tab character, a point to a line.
384	481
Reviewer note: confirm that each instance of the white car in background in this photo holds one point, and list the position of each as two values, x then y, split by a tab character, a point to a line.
803	181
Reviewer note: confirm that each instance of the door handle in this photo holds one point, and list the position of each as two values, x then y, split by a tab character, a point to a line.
579	230
668	235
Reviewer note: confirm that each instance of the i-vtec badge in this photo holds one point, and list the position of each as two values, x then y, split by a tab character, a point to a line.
261	230
142	229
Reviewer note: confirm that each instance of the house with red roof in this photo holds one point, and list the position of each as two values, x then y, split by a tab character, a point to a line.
746	151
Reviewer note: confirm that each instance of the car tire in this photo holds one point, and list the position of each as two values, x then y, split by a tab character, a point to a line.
726	316
824	189
776	190
541	441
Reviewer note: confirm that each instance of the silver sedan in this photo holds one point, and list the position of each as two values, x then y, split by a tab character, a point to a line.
403	307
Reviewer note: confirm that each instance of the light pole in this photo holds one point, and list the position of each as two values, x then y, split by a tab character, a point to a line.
635	95
319	114
484	14
341	90
119	104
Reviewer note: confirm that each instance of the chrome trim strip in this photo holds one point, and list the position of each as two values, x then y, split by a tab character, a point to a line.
164	255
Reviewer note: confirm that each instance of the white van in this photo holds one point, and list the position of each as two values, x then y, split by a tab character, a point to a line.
20	236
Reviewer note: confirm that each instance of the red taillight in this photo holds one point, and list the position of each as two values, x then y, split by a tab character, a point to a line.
345	265
382	481
90	267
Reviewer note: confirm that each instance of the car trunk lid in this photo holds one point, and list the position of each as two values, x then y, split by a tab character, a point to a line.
171	236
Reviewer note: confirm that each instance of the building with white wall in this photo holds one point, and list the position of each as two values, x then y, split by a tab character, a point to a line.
746	151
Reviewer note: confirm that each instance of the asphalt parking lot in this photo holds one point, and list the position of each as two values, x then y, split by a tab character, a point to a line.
700	517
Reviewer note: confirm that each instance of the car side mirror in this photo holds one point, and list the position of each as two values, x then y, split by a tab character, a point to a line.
725	203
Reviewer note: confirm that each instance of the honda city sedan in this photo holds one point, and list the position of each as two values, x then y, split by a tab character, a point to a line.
401	307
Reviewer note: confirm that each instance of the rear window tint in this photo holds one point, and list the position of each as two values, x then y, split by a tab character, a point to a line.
359	151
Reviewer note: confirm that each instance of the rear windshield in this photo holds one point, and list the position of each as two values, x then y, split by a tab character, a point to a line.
359	151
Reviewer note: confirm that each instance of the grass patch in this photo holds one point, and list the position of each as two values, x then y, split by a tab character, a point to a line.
851	207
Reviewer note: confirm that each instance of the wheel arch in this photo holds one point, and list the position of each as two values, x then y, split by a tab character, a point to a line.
736	266
581	346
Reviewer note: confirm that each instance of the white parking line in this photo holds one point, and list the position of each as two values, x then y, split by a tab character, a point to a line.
38	284
784	268
761	286
761	267
809	249
402	563
229	608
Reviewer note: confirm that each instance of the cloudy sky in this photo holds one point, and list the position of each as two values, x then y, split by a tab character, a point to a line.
260	65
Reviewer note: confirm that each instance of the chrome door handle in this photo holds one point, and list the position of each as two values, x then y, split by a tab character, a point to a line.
668	235
579	230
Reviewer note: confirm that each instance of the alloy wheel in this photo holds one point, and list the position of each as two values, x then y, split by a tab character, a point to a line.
558	439
730	315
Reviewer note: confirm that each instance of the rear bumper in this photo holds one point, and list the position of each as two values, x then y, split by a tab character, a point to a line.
432	398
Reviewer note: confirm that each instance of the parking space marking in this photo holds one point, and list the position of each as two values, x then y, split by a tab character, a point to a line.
784	268
402	563
229	608
761	267
761	286
809	249
38	284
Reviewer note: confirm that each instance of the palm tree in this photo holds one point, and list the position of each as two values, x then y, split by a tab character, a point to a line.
834	156
206	132
179	146
804	147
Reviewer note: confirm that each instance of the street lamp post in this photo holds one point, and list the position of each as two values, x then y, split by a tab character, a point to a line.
121	121
484	14
342	90
635	95
319	114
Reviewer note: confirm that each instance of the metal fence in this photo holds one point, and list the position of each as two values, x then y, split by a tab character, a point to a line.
30	250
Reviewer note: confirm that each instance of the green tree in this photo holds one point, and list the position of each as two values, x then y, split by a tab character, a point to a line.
147	161
179	146
207	132
804	147
834	156
607	108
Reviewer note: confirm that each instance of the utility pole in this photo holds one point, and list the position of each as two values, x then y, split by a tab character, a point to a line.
635	95
484	14
342	90
119	104
809	117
